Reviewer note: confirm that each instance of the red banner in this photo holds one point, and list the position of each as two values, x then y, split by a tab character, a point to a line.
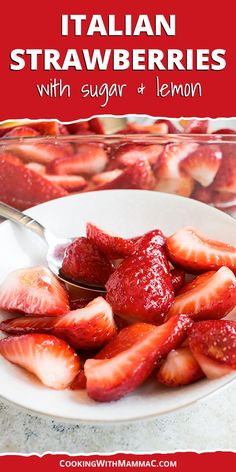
70	60
178	462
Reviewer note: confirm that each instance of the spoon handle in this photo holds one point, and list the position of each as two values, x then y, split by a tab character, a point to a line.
17	216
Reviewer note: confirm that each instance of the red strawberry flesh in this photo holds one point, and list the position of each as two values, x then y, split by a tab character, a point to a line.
111	379
179	368
109	243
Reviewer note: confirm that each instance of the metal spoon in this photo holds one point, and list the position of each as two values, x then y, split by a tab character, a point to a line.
56	249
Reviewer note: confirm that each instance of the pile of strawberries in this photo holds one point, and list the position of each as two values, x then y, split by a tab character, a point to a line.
150	322
52	169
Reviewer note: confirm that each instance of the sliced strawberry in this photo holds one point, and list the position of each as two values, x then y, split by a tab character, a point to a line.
177	279
225	131
79	383
36	152
195	253
203	194
80	302
48	128
125	339
54	362
203	164
35	291
128	153
96	126
136	176
195	126
140	289
106	177
31	188
36	167
12	158
155	128
171	127
213	344
225	180
111	244
71	183
225	201
111	379
170	178
200	279
89	159
213	298
179	368
85	263
86	328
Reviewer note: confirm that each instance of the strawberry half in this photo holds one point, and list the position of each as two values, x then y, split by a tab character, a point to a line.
106	177
125	339
225	180
170	177
89	159
177	279
213	297
86	328
36	167
213	344
111	244
31	189
111	379
179	368
195	253
71	183
138	176
140	289
128	153
203	164
85	263
35	291
54	362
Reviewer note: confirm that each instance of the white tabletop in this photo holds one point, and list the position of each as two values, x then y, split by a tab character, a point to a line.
207	425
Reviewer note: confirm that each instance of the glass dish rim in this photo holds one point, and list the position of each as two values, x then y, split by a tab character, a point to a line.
207	138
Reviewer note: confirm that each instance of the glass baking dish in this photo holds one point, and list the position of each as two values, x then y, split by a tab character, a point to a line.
35	169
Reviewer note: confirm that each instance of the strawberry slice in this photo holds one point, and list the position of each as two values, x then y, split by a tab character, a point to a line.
106	177
111	244
225	180
85	328
177	279
54	362
203	194
200	279
36	152
179	368
36	167
89	159
96	126
31	189
12	158
195	126
203	164
225	131
35	291
212	297
138	176
170	177
111	379
71	183
155	128
140	289
171	127
213	344
125	339
85	263
195	253
128	153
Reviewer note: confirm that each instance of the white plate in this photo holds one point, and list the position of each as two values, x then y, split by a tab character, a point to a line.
130	213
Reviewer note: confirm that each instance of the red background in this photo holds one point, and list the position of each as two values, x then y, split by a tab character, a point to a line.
199	25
